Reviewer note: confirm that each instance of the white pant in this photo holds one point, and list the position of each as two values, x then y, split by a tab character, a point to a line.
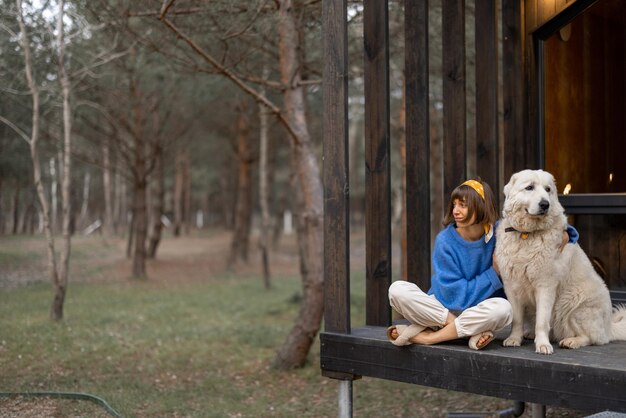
421	309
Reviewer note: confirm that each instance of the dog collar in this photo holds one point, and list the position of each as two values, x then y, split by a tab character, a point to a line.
524	235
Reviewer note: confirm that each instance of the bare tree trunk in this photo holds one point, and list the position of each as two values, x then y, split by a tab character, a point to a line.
243	209
84	208
187	192
140	185
34	151
263	192
57	223
16	210
131	236
158	196
61	286
178	192
53	195
227	196
29	218
294	350
109	226
182	192
2	208
139	226
120	205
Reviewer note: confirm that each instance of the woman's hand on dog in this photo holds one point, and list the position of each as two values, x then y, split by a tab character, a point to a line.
563	243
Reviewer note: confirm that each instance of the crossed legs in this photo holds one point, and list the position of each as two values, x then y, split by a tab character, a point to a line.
477	322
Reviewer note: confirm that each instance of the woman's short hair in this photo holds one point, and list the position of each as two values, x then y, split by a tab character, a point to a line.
485	210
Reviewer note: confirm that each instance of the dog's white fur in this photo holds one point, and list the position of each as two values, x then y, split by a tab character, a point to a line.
558	290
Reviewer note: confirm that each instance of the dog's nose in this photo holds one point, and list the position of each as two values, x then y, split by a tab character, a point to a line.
544	204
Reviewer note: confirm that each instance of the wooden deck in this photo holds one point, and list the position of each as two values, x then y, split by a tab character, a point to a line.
589	379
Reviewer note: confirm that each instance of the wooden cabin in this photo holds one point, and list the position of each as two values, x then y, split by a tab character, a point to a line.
550	92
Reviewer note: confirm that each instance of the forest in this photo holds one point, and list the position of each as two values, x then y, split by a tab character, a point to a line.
143	120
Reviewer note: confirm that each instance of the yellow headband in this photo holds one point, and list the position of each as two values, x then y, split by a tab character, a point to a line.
476	186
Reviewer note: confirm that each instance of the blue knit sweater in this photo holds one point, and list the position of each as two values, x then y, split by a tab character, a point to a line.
463	275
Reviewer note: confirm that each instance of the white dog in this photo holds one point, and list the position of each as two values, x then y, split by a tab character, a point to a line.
558	289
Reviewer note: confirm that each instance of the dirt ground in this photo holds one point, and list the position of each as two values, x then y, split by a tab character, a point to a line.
188	258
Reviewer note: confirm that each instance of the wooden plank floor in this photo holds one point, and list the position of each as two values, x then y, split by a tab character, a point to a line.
590	378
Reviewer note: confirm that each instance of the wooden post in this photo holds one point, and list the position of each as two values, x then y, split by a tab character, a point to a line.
335	169
512	83
377	167
417	143
336	185
453	60
487	94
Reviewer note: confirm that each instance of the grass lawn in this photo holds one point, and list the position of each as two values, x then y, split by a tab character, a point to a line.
192	340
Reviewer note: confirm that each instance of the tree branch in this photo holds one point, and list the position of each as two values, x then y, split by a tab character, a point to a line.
234	78
165	7
15	128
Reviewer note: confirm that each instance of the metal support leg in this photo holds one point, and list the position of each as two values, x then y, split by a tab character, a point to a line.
345	399
538	410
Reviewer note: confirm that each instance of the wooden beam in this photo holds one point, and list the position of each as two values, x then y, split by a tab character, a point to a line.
417	142
335	169
487	93
528	146
453	57
377	167
513	91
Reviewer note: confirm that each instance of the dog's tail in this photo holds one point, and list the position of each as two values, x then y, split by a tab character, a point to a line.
618	326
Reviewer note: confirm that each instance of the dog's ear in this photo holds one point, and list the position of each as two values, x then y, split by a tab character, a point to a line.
553	180
510	184
549	177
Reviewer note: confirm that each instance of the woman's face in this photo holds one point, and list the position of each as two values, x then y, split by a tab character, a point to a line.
459	212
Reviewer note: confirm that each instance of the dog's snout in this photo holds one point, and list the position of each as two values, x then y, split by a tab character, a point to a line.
544	204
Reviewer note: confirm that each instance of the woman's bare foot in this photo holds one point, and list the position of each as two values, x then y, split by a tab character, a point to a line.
400	334
479	341
393	333
483	340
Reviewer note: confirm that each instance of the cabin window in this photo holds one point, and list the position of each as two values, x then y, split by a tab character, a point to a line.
582	85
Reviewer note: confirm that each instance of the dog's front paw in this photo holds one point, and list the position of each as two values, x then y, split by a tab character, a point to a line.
512	341
543	347
572	342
